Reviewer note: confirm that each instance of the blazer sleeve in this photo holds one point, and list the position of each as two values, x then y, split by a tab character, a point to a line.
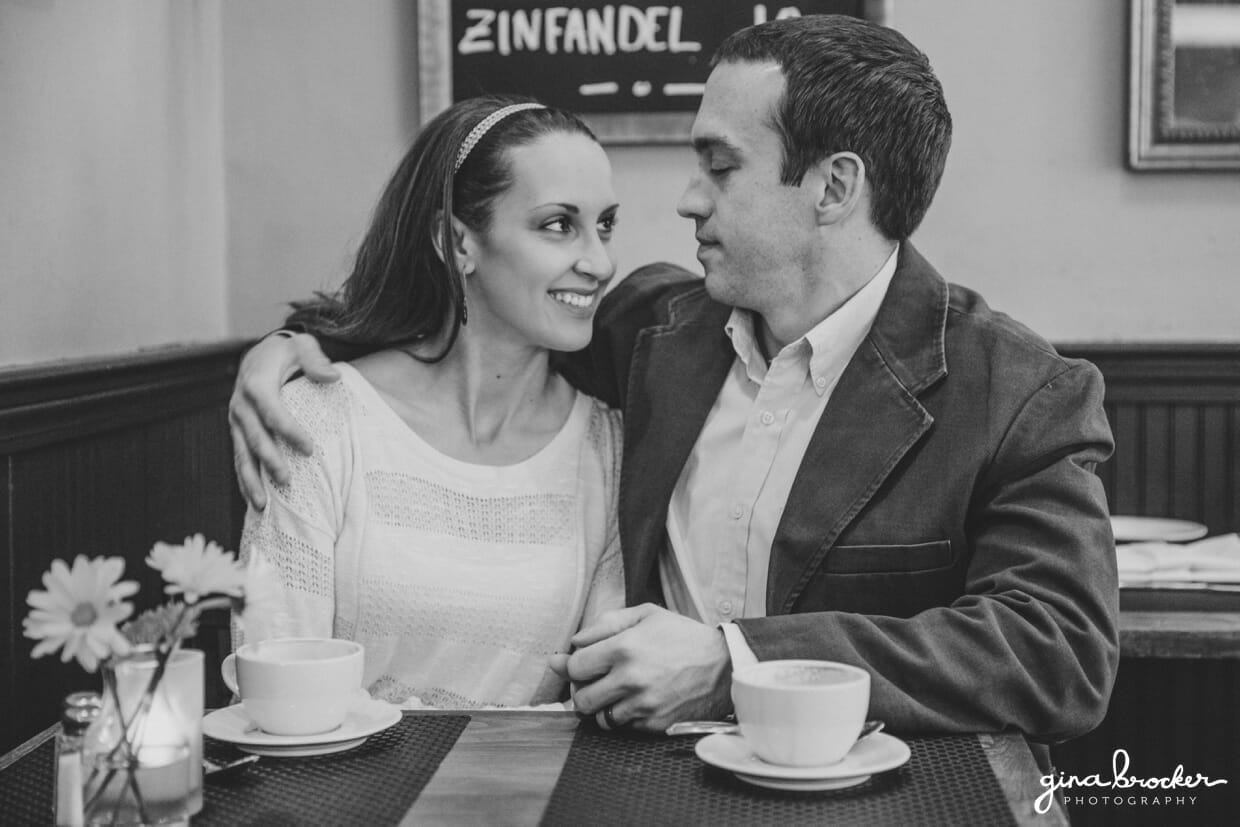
1032	643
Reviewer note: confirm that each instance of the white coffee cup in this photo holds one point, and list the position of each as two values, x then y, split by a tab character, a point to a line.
296	686
801	713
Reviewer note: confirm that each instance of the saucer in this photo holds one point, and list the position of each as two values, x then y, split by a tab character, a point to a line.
365	718
1155	529
877	753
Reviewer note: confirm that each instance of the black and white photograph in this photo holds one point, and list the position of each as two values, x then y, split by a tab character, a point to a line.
502	412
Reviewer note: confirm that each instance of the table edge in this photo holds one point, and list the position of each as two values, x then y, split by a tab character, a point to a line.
26	747
1180	634
1010	751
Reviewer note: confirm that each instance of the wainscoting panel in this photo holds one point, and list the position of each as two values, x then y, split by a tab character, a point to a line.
1176	460
1164	713
105	457
1175	412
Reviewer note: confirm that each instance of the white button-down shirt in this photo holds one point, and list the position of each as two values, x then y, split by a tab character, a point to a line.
730	497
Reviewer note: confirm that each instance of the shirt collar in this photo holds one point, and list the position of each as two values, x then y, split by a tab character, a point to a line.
830	344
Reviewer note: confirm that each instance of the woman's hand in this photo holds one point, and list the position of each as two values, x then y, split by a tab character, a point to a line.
256	416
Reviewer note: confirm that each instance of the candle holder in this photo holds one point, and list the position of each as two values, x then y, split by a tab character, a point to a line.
143	755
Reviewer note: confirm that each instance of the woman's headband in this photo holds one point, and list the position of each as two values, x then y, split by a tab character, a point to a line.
484	126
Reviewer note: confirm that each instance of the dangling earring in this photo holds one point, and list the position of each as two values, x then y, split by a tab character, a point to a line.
467	270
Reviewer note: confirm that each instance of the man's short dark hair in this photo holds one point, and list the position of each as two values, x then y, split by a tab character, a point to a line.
852	85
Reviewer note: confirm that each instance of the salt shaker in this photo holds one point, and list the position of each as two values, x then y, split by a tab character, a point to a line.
77	713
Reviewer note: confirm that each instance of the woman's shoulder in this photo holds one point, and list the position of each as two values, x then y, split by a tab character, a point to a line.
322	408
599	416
604	428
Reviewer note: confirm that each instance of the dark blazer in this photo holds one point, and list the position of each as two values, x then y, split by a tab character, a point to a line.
946	529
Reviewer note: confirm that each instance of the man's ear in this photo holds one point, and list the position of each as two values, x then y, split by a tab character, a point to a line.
462	243
842	183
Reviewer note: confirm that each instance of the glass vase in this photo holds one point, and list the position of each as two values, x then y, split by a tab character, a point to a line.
142	758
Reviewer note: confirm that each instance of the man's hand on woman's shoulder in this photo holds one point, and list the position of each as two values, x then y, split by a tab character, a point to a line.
256	415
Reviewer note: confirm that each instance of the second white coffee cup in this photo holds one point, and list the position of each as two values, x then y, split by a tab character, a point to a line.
296	686
801	713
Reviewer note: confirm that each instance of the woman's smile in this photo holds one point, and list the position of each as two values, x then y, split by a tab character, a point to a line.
575	299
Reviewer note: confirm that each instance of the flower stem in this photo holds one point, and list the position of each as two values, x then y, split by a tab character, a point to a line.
127	748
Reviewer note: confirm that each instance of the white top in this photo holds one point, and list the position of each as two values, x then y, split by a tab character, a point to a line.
728	502
459	579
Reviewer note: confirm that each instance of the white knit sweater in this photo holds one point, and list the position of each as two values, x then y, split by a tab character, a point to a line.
459	579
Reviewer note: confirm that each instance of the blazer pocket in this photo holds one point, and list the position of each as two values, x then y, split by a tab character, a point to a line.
896	581
936	554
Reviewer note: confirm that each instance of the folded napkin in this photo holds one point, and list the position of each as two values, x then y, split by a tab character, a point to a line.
1212	560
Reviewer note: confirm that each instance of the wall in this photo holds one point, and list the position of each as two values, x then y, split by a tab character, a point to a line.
177	171
111	192
319	105
1036	209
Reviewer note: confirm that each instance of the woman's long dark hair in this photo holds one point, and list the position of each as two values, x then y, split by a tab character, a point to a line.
401	290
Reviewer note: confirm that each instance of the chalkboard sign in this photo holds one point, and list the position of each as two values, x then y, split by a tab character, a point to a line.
635	71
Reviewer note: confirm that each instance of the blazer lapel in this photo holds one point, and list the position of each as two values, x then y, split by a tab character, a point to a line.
676	373
871	421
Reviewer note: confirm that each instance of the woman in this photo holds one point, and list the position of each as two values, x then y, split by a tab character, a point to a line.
458	513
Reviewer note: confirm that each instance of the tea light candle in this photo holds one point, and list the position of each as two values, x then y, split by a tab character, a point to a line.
176	717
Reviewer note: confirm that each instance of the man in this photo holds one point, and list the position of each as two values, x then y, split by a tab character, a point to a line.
830	452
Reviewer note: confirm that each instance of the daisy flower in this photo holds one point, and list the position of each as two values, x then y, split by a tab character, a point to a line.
261	612
197	568
79	612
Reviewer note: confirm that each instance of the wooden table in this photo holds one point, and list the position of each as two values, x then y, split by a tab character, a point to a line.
476	784
1179	634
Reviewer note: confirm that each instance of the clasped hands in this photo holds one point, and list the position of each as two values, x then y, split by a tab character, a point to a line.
650	667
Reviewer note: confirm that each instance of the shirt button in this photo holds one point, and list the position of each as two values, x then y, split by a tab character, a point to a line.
738	511
820	381
767	417
725	607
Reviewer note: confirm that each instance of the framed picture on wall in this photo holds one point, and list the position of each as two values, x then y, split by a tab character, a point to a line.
1184	85
633	71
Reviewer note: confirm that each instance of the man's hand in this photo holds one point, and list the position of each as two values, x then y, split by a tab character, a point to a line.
652	667
256	415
